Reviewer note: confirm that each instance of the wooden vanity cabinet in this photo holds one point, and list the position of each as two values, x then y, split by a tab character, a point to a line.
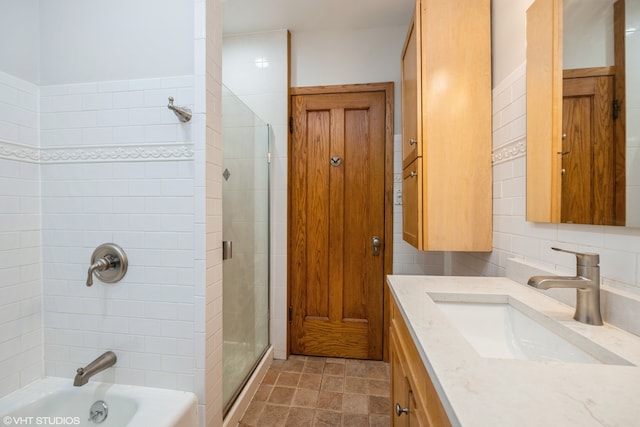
414	399
446	127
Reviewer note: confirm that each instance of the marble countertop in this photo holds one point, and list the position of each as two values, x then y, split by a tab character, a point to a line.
481	391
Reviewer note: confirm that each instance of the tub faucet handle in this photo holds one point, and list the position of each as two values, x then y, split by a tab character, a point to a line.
100	265
109	263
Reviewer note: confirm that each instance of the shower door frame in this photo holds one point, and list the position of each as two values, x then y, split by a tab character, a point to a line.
227	406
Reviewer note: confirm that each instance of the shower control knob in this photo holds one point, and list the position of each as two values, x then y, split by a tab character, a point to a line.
109	263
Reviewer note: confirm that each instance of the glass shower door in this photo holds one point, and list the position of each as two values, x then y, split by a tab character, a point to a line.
245	217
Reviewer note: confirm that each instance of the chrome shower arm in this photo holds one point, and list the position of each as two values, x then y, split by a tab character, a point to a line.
183	113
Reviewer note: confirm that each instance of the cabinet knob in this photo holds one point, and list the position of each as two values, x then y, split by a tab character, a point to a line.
413	174
400	410
413	141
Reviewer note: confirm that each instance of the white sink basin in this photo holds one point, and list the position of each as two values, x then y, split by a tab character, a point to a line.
508	329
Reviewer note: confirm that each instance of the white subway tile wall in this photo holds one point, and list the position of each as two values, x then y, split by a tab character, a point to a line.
147	207
21	348
514	237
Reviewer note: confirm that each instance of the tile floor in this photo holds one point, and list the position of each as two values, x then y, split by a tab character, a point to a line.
322	392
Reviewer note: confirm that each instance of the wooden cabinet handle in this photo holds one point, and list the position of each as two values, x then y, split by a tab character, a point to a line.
413	174
413	141
400	410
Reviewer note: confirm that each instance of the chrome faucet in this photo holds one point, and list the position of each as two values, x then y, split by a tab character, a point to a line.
104	361
586	282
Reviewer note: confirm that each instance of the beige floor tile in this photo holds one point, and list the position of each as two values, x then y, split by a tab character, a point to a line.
305	398
300	417
380	405
330	400
310	381
354	420
273	416
331	383
355	403
288	379
307	391
281	396
355	385
325	418
336	369
356	369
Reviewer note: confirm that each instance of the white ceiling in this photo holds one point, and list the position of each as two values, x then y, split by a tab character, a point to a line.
244	16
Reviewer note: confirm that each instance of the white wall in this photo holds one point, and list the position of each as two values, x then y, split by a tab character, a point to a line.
85	41
587	34
508	36
20	39
347	57
619	248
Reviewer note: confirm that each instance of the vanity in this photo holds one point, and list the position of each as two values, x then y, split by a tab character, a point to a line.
448	368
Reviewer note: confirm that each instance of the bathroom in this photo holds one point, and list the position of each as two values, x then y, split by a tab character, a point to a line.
63	199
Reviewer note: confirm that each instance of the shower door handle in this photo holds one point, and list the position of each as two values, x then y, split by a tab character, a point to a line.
227	249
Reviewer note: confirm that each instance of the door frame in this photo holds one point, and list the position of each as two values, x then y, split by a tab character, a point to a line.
387	250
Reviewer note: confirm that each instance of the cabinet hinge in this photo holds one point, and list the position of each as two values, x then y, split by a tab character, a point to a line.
616	109
290	124
290	313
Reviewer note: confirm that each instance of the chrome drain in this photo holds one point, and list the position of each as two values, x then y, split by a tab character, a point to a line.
98	412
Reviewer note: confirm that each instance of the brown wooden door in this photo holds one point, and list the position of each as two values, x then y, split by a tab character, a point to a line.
588	155
337	206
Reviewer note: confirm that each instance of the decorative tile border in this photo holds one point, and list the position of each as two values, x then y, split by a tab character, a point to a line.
509	151
12	151
94	154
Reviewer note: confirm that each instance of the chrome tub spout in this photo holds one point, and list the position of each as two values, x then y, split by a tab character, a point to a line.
104	361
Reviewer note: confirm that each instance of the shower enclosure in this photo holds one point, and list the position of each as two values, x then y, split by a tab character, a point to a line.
245	216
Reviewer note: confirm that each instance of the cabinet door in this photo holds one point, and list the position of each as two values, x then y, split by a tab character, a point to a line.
399	388
412	205
414	409
410	95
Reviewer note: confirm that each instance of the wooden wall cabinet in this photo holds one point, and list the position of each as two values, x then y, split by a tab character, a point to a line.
446	127
414	399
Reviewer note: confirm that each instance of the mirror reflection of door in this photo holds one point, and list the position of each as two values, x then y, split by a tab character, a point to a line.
588	149
593	116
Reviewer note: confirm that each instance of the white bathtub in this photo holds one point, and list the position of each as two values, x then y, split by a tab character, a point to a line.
55	401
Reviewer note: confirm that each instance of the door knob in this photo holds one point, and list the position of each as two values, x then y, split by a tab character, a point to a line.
375	245
400	410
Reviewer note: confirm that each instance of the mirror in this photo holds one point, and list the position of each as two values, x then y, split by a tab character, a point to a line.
581	157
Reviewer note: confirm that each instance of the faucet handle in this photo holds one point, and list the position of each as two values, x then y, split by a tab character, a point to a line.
585	259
